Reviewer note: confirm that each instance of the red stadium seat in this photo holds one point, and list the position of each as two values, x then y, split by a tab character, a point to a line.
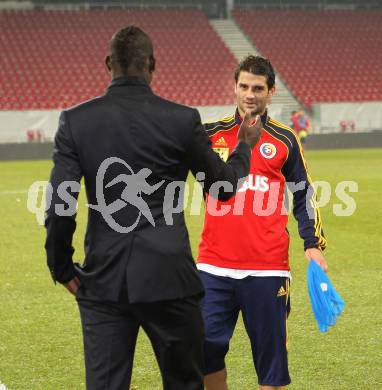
323	56
54	59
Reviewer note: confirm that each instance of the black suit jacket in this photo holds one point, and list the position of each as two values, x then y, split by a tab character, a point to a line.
145	131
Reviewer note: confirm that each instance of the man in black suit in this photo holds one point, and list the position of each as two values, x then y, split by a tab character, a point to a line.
133	149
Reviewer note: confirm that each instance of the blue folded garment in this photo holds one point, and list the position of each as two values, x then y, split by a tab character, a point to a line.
326	303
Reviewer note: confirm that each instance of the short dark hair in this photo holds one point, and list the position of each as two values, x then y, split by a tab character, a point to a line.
131	46
259	66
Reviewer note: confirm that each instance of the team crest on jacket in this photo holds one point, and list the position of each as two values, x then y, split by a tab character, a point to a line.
268	150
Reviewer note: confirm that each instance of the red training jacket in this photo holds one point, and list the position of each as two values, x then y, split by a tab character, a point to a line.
249	231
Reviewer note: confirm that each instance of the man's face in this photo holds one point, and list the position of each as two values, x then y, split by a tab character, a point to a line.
252	93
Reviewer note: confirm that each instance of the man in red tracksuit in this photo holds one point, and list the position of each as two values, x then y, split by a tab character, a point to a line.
252	276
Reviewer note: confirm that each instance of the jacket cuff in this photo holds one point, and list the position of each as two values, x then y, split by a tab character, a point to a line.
64	275
311	244
243	147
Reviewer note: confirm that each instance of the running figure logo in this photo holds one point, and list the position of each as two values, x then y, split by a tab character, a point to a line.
135	185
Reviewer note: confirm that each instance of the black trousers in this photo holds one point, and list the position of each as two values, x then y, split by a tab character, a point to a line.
175	329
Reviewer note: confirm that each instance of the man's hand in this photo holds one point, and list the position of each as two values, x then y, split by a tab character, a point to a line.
250	129
73	285
316	255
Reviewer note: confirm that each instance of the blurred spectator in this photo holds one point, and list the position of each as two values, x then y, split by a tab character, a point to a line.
300	124
39	135
293	120
30	135
35	136
343	126
351	125
347	125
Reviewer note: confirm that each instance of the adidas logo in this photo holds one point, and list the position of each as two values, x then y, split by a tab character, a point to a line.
221	142
281	292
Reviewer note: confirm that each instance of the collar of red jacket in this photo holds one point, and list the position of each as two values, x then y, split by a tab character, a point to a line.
238	118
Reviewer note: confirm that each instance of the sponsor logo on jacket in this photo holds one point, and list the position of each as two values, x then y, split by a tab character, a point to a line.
255	183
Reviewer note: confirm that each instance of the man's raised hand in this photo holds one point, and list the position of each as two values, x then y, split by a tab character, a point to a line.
250	129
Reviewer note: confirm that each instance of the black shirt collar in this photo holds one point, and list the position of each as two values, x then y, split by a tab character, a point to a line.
124	81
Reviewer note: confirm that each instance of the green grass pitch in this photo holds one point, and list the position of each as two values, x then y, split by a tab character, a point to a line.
40	340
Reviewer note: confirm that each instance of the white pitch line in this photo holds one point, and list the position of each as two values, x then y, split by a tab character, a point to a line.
16	192
19	192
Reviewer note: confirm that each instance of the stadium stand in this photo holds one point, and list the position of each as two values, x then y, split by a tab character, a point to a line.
324	4
322	56
54	59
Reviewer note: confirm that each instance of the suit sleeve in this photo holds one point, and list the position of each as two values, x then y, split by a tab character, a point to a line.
305	209
202	158
60	229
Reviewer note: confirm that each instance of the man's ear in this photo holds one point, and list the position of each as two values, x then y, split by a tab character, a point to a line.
108	63
271	92
151	64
